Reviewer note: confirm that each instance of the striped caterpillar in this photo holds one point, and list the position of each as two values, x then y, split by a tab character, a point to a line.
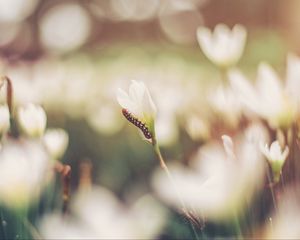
137	123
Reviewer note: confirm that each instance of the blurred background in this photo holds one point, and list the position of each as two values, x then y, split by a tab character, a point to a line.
71	57
33	29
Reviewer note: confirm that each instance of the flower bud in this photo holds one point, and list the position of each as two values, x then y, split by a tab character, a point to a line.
32	120
138	107
23	169
276	157
56	142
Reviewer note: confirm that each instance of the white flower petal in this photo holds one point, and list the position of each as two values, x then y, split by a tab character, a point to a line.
244	90
275	150
293	77
228	146
268	83
32	120
285	153
56	142
274	153
264	148
239	35
137	91
221	32
123	99
204	37
148	103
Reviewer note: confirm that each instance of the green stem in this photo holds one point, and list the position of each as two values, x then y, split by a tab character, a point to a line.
167	171
237	226
19	215
34	233
273	194
3	225
25	227
224	75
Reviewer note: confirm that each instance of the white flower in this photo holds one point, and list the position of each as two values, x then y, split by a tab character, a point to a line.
257	133
105	217
221	180
4	119
222	46
275	153
32	120
284	222
56	142
23	168
223	101
197	128
138	102
268	98
276	156
228	147
105	118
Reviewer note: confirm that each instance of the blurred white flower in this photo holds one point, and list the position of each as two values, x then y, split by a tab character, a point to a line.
105	119
4	119
32	120
220	181
77	91
23	168
59	35
284	223
26	89
268	98
274	153
139	103
276	156
257	133
16	10
224	103
104	217
56	142
228	147
171	99
174	17
292	78
223	46
197	128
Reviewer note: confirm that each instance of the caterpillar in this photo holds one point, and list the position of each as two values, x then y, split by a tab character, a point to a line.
137	123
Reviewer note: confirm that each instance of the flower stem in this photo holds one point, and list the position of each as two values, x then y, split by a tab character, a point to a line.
272	190
65	172
9	101
3	224
224	76
237	226
193	220
167	171
32	230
